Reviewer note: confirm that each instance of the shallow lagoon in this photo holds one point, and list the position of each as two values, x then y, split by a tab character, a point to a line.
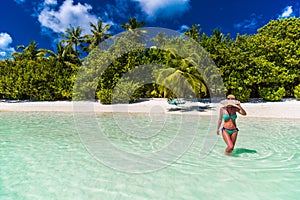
43	157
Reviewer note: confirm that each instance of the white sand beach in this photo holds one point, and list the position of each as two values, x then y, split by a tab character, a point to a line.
287	109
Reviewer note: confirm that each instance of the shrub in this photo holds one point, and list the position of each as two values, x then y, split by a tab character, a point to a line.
273	93
104	95
124	92
297	92
242	93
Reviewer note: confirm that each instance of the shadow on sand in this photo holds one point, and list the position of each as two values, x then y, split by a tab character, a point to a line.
188	107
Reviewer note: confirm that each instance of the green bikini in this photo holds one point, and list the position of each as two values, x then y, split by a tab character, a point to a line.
226	117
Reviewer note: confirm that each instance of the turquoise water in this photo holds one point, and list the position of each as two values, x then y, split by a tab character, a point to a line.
43	157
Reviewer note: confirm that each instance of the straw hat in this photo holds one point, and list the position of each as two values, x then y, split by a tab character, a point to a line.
230	101
230	96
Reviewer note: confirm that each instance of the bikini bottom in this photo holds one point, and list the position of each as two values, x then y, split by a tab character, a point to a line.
230	131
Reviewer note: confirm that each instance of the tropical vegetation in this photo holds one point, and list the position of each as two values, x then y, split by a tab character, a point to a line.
263	65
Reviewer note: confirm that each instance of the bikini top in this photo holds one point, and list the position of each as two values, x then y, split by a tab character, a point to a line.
226	117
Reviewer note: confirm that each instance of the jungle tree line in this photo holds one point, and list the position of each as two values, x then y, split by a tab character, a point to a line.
263	65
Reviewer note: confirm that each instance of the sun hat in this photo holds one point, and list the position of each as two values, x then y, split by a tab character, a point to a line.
230	96
230	101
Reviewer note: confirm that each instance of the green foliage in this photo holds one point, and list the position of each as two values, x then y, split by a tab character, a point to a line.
98	34
273	93
297	92
239	90
264	65
45	79
104	95
263	60
188	71
125	91
162	71
194	32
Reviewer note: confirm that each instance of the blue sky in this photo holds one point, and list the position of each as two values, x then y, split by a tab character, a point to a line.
23	21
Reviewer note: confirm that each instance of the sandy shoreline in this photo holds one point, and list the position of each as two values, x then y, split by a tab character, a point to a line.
287	109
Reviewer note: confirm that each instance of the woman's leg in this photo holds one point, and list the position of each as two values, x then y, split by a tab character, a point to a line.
228	141
233	137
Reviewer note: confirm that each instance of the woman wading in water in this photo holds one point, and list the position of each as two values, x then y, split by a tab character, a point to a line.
228	114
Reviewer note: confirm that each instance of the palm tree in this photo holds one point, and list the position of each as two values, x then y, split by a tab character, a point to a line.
133	24
180	77
74	39
31	52
98	34
133	27
64	55
193	32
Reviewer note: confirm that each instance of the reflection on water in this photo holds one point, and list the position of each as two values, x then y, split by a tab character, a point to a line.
41	157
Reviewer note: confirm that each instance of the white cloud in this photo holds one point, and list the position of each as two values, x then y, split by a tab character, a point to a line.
163	8
250	24
183	28
5	40
67	14
287	12
50	2
5	48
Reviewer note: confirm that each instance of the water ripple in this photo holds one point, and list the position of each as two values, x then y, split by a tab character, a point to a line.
42	158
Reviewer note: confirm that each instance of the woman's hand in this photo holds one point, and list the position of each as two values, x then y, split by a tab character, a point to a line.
238	103
218	132
241	110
